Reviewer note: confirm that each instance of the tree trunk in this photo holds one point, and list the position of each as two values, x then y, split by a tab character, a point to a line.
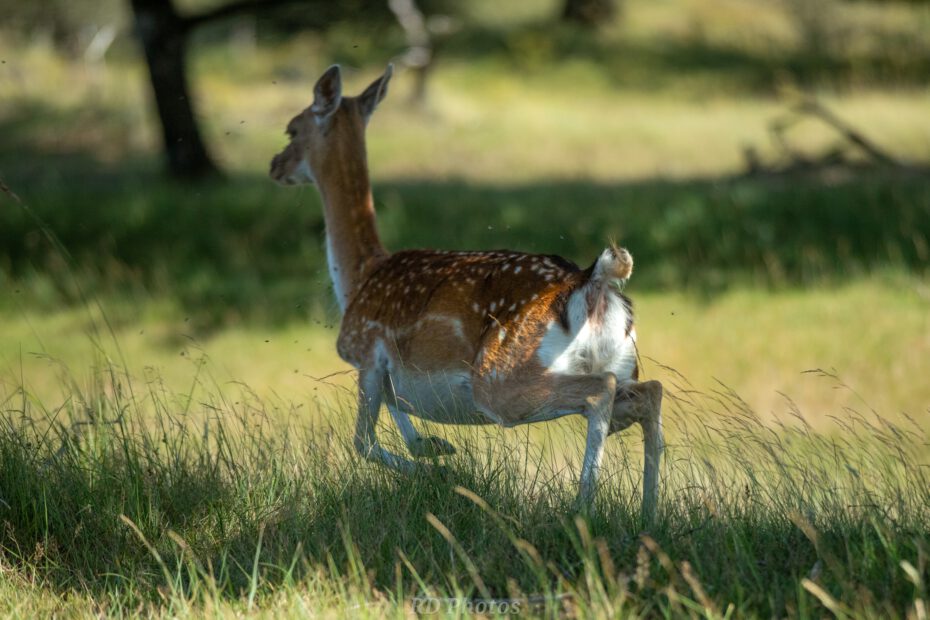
164	37
590	13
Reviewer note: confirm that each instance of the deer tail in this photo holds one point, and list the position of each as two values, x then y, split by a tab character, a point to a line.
612	268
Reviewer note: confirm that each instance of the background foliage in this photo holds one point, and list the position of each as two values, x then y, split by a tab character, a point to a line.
166	347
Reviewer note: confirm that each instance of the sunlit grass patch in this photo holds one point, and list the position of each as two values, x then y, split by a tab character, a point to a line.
874	333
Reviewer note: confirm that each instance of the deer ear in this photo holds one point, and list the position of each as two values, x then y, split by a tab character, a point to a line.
327	94
373	95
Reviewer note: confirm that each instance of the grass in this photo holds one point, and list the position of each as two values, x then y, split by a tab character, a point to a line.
136	499
175	425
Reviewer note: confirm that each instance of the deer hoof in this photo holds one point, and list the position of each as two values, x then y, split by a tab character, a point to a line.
431	447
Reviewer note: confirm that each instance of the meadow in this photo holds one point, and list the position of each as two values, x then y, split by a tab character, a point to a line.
175	434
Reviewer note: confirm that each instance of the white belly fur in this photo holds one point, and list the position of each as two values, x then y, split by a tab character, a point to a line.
442	396
446	396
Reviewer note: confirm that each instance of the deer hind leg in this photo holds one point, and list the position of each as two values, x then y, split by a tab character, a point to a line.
417	445
370	384
642	403
598	410
546	397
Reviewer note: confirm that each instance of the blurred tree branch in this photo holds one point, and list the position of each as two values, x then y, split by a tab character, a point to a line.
419	54
852	151
589	13
812	107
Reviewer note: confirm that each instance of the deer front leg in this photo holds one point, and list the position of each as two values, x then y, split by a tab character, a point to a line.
653	446
642	403
370	382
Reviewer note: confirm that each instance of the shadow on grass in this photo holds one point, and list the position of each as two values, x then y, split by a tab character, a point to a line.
245	249
234	503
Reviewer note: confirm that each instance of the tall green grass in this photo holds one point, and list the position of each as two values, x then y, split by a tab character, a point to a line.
130	499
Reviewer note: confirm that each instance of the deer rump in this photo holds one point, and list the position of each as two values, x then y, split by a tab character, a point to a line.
476	337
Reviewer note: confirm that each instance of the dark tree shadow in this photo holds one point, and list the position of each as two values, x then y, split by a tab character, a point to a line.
654	64
245	249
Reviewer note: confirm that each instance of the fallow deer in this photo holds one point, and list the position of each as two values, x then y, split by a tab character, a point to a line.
466	337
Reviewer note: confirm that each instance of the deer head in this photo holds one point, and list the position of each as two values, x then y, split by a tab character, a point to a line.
321	133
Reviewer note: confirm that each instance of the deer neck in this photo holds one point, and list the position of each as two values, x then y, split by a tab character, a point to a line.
352	243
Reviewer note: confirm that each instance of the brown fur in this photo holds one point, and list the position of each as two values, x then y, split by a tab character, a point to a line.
480	315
